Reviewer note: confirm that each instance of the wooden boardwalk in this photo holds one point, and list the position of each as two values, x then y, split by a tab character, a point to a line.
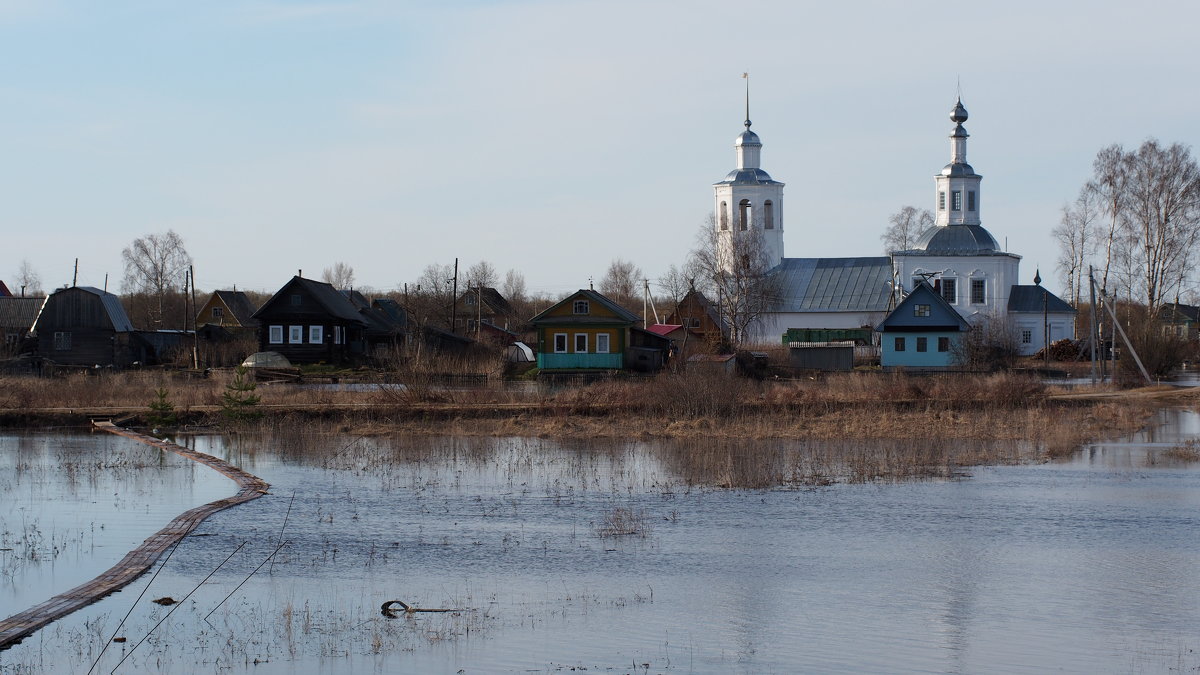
136	562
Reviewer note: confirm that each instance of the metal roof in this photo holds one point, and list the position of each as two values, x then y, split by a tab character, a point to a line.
621	313
748	177
1025	298
955	240
112	307
19	312
833	284
239	305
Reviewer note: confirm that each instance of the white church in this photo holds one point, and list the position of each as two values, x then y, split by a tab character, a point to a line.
957	256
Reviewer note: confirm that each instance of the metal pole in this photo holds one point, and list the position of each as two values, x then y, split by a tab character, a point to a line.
1095	330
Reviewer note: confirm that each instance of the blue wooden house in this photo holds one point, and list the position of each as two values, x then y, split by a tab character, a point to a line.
921	333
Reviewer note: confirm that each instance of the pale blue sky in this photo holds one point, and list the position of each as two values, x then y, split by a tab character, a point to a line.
549	137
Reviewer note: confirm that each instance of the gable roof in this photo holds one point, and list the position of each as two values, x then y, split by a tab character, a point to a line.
705	304
1029	299
4	292
19	312
941	315
239	305
112	307
491	299
592	296
392	310
1178	313
326	296
833	284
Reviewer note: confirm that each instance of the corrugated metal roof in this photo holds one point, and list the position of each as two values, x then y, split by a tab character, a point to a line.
1029	299
19	313
833	284
113	307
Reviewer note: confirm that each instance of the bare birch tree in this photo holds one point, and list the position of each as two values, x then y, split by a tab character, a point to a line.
1076	242
481	274
622	283
906	227
154	265
340	276
514	286
734	274
28	281
1110	174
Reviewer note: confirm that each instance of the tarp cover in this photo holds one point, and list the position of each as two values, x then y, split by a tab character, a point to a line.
267	360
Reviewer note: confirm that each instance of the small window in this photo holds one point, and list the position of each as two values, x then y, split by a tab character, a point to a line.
899	344
218	312
922	344
724	216
916	281
921	310
297	299
768	215
943	344
581	340
744	215
316	334
978	291
560	343
1026	337
950	290
580	307
296	335
942	201
62	342
276	335
970	200
338	335
602	343
695	323
956	200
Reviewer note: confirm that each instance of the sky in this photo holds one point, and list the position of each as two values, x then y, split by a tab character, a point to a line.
550	137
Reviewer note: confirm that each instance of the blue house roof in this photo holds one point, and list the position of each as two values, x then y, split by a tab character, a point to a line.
833	284
1029	299
939	315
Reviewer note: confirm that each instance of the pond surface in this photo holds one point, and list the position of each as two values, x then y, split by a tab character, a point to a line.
1084	566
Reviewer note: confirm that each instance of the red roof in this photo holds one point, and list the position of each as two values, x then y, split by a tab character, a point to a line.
663	328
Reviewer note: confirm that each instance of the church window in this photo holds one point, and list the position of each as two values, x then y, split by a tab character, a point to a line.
970	200
724	216
899	344
942	201
1026	336
744	214
956	200
580	307
768	215
916	281
950	290
978	291
943	344
922	344
921	310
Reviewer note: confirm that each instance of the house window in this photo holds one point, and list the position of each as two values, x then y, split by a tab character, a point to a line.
339	335
970	200
296	335
956	200
943	344
580	307
62	342
1026	336
602	343
695	323
316	335
921	310
768	215
950	290
560	343
922	344
942	201
724	216
899	344
218	312
296	300
581	343
978	291
744	214
276	335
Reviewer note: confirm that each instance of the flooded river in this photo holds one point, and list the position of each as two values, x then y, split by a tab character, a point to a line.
608	556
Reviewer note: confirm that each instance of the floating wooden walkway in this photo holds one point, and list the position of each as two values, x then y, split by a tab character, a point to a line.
136	562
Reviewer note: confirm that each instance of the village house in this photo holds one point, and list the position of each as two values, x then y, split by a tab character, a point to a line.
922	333
587	331
85	326
16	321
311	322
230	310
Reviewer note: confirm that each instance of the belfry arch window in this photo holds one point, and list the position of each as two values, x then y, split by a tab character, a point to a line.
744	214
724	217
768	215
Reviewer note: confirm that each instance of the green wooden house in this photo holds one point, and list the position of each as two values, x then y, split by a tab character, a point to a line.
586	331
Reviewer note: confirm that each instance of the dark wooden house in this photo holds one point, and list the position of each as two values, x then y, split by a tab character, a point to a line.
85	326
310	322
482	305
701	320
16	321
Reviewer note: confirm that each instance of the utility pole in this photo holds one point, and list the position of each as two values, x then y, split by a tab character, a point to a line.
1095	327
195	336
1045	328
454	304
75	277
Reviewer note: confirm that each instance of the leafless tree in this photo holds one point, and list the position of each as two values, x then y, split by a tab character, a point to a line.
675	284
1076	241
514	286
431	298
154	265
907	224
733	273
1110	172
482	274
622	283
340	276
28	281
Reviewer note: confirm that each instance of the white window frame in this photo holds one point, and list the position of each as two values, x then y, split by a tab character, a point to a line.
581	307
920	310
62	341
560	343
295	335
603	341
956	200
316	335
585	343
983	293
275	335
1026	336
953	281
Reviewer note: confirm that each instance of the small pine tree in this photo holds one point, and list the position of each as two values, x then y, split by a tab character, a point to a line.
162	411
239	400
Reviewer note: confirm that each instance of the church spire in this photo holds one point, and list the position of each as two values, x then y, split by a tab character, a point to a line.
957	183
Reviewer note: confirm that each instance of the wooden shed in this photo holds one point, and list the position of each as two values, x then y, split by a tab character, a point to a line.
85	326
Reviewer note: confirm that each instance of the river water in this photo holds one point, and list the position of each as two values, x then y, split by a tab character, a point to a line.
1088	565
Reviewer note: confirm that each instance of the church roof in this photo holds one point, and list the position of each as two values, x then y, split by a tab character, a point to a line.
955	240
1026	298
748	177
833	284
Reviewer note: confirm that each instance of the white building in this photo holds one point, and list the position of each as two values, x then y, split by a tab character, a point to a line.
957	256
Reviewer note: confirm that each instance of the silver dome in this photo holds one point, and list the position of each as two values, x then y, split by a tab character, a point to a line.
747	137
957	240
